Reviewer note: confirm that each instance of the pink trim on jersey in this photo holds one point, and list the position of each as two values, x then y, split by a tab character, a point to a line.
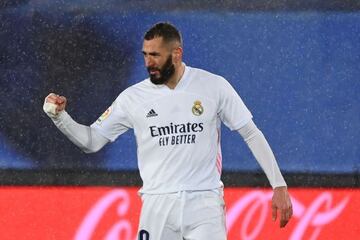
219	155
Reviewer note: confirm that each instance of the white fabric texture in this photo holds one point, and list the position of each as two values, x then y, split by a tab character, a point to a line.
50	109
85	137
262	152
177	130
183	215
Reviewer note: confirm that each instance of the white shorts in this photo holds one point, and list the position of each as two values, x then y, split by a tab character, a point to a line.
189	215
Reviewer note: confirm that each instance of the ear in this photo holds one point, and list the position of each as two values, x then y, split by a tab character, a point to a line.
177	54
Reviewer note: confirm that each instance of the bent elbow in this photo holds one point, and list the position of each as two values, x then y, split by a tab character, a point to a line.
90	150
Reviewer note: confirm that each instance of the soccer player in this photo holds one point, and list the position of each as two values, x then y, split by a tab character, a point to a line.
176	115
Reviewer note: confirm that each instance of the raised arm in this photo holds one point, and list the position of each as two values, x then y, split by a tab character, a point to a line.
85	137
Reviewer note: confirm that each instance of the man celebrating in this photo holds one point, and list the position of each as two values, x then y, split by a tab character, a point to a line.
176	115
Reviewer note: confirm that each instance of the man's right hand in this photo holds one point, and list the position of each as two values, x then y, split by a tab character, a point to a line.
54	104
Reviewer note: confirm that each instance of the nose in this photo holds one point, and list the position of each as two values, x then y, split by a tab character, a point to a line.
149	62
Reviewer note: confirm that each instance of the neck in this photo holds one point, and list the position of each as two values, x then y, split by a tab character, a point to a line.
175	79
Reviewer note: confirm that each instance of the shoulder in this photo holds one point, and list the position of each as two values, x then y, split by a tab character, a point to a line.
206	78
137	87
202	73
134	94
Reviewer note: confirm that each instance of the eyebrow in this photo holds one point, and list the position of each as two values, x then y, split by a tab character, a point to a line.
151	53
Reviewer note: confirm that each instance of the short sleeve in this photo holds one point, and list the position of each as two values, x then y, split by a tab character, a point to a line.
114	121
232	110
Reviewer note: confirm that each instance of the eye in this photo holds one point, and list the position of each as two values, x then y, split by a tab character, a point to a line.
155	54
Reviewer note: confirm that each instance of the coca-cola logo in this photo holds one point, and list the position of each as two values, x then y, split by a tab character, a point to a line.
307	216
314	216
122	227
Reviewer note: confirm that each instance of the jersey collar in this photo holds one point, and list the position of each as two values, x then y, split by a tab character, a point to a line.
184	79
181	84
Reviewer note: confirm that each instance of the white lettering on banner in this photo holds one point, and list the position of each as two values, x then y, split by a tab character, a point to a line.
320	212
312	217
259	200
92	219
250	202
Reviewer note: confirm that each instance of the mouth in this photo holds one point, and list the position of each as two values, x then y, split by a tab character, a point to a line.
154	72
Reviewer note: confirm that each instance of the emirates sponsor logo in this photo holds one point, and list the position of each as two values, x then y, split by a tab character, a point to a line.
175	134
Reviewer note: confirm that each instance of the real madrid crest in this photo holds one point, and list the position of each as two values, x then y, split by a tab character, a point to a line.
197	109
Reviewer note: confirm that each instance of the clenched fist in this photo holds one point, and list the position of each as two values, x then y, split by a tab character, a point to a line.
54	104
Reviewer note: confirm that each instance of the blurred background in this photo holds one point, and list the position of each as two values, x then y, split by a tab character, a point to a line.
296	65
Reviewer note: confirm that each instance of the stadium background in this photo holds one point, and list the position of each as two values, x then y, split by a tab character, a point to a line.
296	66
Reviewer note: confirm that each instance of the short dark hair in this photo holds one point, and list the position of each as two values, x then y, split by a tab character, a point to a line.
166	30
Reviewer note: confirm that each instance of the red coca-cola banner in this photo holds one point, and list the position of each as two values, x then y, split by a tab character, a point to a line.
82	213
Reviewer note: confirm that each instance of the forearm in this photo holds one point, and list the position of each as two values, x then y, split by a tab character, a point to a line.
262	152
86	138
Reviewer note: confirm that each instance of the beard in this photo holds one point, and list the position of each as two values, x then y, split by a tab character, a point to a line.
165	73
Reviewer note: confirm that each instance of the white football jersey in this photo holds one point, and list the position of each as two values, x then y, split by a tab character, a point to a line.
177	130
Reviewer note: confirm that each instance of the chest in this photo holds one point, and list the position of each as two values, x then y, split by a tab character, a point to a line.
178	109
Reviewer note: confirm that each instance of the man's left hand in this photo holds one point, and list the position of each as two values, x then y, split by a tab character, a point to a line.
281	201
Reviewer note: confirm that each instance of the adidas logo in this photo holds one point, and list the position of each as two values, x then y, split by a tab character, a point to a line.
152	113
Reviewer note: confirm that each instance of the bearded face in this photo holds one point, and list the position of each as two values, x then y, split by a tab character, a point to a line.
161	75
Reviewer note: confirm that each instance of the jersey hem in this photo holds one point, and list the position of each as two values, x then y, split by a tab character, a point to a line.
169	191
